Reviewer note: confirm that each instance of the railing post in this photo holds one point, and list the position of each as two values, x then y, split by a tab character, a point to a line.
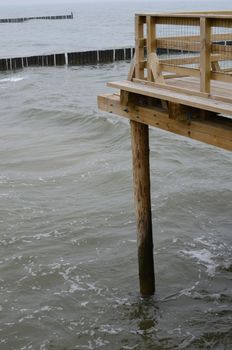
151	43
141	177
205	51
139	47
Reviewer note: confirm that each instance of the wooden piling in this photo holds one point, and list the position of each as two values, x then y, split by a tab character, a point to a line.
92	57
60	59
8	64
32	61
41	60
3	64
25	62
128	54
51	60
106	56
16	63
119	54
141	178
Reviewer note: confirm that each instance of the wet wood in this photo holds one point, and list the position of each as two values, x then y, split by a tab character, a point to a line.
141	176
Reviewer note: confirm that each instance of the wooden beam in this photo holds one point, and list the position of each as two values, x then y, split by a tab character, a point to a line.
172	96
141	177
193	72
220	76
131	73
205	66
151	45
215	66
182	60
223	21
196	38
155	69
192	17
178	45
139	49
222	49
182	90
176	19
214	131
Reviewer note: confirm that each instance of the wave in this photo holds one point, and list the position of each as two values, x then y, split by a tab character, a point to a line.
11	79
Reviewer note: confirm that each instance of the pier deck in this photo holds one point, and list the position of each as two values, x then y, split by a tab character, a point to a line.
187	91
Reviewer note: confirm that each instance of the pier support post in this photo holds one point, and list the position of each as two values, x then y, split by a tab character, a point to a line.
141	177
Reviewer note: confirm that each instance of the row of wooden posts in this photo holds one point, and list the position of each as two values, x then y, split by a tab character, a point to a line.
71	58
24	19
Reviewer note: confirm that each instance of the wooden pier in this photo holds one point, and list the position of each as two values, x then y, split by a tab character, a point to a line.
24	19
188	92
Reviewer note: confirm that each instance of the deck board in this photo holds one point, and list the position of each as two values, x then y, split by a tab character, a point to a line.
204	103
217	87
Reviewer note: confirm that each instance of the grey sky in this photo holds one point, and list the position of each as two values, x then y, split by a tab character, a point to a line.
37	2
69	2
31	2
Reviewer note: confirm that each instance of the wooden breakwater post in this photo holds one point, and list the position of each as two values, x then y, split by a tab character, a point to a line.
189	95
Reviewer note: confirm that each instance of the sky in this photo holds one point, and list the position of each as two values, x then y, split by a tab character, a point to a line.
18	2
67	2
48	2
38	2
30	2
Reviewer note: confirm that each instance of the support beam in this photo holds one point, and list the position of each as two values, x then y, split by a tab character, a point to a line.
141	176
216	131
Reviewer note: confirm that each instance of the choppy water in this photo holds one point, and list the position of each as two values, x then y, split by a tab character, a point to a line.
68	259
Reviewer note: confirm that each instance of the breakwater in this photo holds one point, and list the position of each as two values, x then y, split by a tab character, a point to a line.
24	19
71	58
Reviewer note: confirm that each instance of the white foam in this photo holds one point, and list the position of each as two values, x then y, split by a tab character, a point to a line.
84	303
75	287
42	235
11	79
109	329
203	256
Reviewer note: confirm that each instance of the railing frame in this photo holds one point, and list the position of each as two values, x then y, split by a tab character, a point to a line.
146	40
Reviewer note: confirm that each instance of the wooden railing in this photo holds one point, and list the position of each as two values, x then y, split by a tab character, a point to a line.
200	45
